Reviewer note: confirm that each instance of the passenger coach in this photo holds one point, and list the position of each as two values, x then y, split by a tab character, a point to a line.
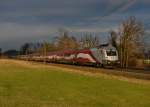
102	55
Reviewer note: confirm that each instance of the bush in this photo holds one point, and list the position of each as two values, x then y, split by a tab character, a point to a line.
136	63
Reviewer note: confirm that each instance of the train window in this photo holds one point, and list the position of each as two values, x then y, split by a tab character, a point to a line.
111	53
67	55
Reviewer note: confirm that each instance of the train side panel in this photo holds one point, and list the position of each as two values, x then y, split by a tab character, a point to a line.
96	56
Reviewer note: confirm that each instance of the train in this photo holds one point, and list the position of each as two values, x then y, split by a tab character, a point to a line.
103	55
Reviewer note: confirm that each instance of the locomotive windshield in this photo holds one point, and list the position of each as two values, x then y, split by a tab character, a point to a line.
111	53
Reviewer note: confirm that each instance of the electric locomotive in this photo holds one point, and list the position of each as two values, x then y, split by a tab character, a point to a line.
103	55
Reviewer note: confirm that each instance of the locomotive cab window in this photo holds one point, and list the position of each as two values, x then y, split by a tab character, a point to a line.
111	53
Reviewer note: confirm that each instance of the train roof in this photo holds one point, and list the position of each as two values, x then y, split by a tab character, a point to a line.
70	51
106	46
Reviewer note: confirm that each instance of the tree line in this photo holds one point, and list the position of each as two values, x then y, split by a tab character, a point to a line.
62	42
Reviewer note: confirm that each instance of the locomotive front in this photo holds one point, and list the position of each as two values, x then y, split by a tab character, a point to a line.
110	56
106	55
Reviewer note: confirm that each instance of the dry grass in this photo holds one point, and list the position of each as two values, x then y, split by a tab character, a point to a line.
29	84
103	73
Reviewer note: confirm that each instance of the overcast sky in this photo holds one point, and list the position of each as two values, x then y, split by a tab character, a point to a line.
38	20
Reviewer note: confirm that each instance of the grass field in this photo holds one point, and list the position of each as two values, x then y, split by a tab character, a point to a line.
25	84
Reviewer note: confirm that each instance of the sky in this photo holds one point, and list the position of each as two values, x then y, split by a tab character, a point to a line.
39	20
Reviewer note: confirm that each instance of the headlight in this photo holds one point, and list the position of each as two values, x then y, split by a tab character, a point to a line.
108	62
118	62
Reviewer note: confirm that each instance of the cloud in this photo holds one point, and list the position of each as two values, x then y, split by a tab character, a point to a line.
13	35
127	5
118	6
48	11
94	29
15	30
30	20
35	11
115	10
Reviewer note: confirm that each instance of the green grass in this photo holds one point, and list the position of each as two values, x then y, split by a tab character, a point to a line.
25	86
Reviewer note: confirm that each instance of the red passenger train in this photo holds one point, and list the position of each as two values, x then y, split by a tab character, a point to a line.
99	56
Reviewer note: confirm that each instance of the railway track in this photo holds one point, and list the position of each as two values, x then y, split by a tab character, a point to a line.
129	73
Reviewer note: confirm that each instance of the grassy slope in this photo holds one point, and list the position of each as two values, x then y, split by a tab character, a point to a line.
22	85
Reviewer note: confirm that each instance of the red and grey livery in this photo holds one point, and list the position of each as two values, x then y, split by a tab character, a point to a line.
102	55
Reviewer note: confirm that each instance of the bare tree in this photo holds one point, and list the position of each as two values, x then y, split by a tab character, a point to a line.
25	48
89	41
64	41
130	32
